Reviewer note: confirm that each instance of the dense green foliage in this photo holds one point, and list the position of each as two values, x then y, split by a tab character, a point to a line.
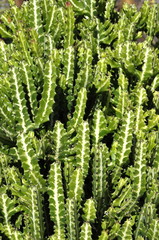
79	113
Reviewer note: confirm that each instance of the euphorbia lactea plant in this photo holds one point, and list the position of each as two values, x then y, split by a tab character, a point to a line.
79	111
